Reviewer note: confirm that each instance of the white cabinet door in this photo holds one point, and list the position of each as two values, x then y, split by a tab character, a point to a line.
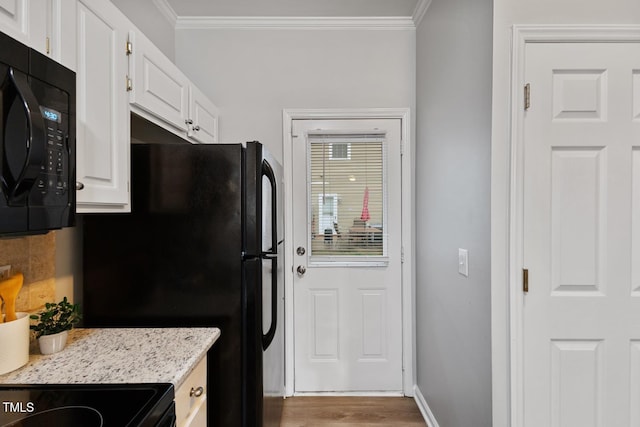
60	43
102	108
25	21
158	86
49	26
191	398
204	115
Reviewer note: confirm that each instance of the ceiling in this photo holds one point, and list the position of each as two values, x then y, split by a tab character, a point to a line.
291	8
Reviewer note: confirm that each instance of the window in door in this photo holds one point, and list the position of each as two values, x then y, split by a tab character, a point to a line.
347	195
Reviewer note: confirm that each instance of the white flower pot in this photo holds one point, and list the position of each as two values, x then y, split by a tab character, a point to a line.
52	343
14	343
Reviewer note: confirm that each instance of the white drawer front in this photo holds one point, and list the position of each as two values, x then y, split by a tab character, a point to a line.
191	398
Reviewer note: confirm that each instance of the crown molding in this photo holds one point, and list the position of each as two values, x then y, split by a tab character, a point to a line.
167	11
420	11
294	23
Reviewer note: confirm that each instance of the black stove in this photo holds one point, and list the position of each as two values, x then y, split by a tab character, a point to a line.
87	405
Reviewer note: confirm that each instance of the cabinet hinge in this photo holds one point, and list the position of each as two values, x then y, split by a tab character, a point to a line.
525	280
129	85
129	48
527	96
48	45
402	255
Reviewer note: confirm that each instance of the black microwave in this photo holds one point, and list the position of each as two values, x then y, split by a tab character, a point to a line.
37	145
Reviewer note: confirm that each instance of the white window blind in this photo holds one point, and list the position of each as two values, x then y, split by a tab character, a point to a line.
347	194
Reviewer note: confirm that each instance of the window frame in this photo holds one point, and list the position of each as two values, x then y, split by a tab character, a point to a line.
329	261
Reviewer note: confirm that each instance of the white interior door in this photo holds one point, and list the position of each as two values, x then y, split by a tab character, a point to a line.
582	235
348	286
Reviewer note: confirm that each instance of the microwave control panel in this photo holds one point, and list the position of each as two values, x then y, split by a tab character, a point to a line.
53	177
53	173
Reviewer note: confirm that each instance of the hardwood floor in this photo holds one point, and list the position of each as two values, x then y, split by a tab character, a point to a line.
351	411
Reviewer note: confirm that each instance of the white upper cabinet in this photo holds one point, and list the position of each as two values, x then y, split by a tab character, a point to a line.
45	25
60	39
161	93
118	70
158	87
25	21
102	118
203	117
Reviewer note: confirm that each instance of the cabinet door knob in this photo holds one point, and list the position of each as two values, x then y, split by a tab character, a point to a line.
188	122
196	392
79	185
196	128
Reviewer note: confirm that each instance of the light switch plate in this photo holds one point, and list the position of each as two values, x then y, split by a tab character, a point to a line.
463	262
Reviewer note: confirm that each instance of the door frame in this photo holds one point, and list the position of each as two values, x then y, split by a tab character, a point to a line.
408	225
507	253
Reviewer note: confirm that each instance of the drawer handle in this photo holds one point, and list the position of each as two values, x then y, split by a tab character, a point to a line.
197	392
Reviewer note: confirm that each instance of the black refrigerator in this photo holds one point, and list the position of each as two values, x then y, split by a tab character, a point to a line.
202	247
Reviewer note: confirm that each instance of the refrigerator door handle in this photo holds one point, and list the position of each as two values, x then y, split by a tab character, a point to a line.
267	171
271	333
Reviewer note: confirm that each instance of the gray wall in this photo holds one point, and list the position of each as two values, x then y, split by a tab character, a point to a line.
453	152
146	16
252	75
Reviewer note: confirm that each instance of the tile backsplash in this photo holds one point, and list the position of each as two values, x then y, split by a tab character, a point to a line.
34	257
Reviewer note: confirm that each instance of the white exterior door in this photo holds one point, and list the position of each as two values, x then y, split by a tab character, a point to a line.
348	285
581	228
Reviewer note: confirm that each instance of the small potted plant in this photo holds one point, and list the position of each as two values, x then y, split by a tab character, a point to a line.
53	325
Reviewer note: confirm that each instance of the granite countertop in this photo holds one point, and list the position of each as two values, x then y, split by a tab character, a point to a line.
119	355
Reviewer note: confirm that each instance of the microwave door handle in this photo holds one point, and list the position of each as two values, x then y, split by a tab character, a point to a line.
35	143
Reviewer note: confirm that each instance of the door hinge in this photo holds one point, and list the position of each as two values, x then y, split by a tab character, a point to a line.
129	48
525	280
527	96
129	85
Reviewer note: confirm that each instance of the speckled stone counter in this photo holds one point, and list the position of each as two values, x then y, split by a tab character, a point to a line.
123	355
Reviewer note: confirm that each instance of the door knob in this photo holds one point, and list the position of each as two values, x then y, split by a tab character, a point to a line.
301	270
300	251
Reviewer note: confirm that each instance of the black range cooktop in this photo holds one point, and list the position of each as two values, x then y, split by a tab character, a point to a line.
87	405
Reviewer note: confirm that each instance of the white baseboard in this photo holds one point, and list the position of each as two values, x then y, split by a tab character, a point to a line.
424	408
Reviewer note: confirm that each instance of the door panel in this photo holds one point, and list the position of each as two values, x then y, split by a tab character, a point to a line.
347	293
581	185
